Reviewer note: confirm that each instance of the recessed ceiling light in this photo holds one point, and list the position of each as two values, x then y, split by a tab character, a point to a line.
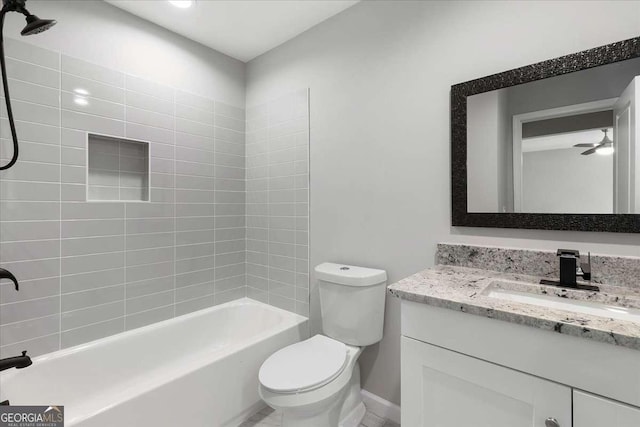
182	4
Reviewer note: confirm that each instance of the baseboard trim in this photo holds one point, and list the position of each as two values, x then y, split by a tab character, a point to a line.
381	407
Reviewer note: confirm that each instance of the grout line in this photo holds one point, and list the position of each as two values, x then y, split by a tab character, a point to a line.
35	162
124	84
91	290
150	295
88	307
124	255
31	339
269	185
175	213
59	54
121	217
147	310
308	216
29	300
31	83
60	206
213	218
212	164
91	324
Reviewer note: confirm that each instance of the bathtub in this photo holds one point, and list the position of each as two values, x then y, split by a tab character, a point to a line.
197	370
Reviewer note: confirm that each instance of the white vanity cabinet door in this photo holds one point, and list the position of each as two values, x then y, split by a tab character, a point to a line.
594	411
442	388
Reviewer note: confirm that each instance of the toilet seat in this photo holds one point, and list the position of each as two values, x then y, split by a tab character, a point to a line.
304	366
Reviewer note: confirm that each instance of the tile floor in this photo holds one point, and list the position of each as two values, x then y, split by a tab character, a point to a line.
267	417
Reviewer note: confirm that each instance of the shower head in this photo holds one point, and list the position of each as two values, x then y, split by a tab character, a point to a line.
36	25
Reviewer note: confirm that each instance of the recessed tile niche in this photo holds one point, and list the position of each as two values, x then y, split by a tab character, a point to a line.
118	169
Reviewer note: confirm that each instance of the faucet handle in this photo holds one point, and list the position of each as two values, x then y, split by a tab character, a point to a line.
24	353
586	268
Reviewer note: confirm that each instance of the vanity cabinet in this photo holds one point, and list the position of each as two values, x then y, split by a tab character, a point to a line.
595	411
447	389
462	370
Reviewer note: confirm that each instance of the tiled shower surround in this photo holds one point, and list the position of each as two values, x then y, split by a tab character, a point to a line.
278	202
93	269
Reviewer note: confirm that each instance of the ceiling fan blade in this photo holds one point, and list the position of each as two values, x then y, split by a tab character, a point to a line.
603	143
588	152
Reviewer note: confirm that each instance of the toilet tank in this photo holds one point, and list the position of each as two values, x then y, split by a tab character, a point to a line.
352	302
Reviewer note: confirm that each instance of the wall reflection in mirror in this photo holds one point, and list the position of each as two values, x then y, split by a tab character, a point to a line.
565	144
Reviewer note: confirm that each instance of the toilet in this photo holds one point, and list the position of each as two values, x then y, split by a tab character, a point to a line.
316	382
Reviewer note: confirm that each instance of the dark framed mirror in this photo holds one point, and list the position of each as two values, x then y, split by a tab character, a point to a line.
551	145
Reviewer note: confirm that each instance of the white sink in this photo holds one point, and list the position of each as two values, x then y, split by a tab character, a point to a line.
574	305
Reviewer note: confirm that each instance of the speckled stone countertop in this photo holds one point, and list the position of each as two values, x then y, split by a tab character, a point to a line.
466	289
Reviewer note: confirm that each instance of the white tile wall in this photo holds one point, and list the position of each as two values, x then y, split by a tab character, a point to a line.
277	202
92	269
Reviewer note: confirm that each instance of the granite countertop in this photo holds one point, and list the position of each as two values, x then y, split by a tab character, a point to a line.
465	289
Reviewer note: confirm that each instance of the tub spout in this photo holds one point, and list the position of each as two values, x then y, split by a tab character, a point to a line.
17	362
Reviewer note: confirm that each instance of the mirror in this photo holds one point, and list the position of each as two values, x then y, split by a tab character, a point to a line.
551	145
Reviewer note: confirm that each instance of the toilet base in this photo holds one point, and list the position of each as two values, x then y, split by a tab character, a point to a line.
355	417
337	404
345	409
352	408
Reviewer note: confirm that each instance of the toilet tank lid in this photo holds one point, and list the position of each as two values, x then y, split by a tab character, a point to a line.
349	275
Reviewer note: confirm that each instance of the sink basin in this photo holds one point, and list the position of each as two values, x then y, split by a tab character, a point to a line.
591	303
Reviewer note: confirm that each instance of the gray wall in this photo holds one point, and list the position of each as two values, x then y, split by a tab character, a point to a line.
93	269
380	75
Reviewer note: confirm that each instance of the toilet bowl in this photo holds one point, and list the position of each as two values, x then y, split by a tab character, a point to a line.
314	383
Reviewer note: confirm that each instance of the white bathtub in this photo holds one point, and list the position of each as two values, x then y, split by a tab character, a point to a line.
196	370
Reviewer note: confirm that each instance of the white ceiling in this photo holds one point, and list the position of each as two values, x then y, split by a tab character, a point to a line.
564	140
242	29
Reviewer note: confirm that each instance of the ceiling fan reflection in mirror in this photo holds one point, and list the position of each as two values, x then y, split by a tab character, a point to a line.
603	147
